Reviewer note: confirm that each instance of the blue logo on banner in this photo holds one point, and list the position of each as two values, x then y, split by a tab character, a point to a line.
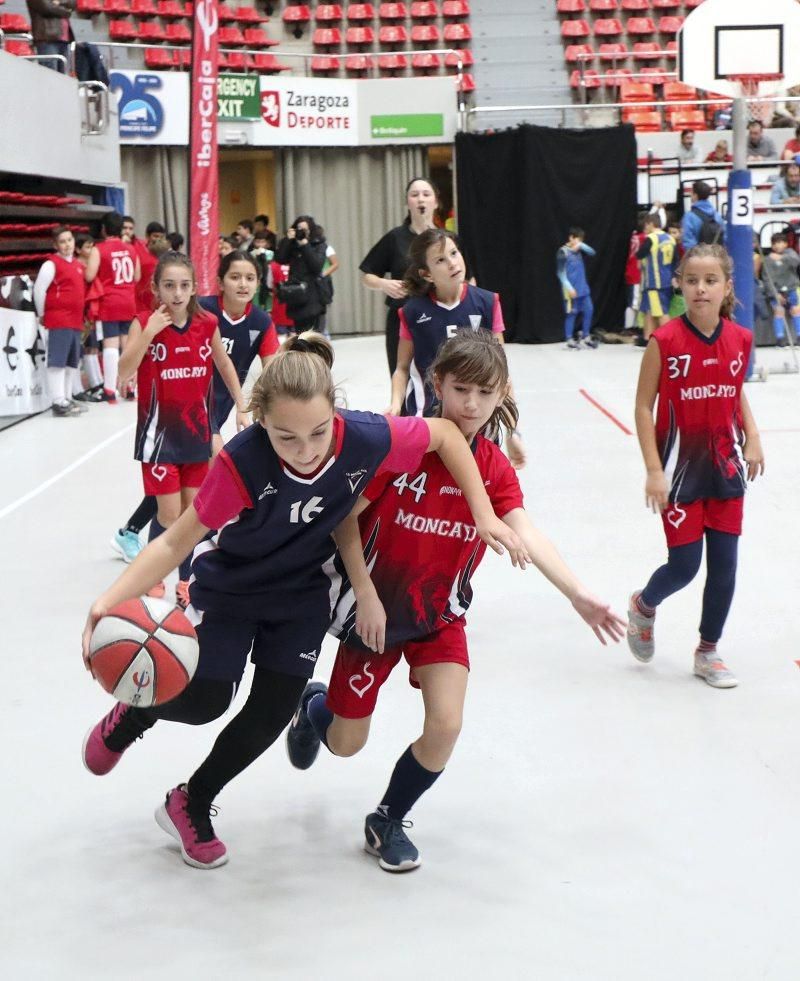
140	113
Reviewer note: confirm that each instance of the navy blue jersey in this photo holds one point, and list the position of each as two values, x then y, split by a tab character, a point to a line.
427	323
279	543
245	339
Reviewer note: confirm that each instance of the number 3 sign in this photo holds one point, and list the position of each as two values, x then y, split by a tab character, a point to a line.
742	206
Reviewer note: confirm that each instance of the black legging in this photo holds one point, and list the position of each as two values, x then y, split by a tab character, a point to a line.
392	337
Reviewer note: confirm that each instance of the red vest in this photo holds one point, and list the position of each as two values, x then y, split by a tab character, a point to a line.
147	264
63	302
117	269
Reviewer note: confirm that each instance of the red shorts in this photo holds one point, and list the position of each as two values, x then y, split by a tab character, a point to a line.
168	478
358	675
686	523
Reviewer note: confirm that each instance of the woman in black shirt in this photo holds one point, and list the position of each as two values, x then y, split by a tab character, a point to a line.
303	250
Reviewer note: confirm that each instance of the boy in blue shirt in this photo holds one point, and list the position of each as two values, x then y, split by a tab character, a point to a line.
577	298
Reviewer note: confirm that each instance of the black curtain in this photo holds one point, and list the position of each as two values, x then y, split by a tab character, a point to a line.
519	192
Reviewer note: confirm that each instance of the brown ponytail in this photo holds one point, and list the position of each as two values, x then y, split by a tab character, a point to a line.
300	370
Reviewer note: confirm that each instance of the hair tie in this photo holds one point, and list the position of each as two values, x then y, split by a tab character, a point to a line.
301	346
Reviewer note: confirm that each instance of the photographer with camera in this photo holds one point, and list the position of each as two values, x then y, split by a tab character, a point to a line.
303	251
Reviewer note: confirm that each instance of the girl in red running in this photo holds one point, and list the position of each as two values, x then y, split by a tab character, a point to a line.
174	353
699	453
420	545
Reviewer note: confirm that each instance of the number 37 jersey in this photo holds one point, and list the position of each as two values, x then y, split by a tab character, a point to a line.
699	416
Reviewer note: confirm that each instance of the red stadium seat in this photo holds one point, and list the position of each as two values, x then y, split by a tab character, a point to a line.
171	9
453	9
457	32
90	6
425	62
646	51
637	92
392	11
236	61
15	24
226	14
358	63
426	10
327	37
655	76
392	63
630	5
357	36
297	14
248	15
183	58
116	7
591	79
144	8
572	51
667	4
575	28
599	6
613	52
679	92
670	25
467	58
424	34
231	37
178	33
672	49
617	77
645	122
268	63
687	119
150	30
257	37
329	13
20	49
691	4
158	58
323	66
571	6
360	12
467	83
608	27
122	30
640	26
392	34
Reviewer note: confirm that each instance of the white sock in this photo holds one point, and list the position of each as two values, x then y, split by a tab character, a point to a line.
74	381
92	364
630	318
110	368
56	379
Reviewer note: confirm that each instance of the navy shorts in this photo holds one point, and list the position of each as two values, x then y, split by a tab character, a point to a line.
289	642
63	348
90	342
115	328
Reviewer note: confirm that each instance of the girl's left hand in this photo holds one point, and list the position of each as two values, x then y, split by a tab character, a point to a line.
242	420
371	620
754	457
600	618
497	534
516	452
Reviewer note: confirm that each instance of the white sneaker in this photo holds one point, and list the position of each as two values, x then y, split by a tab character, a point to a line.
572	345
709	666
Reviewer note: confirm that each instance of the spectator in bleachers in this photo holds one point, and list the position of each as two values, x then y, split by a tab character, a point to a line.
50	29
759	147
786	189
702	223
720	153
723	118
787	113
244	233
687	151
792	148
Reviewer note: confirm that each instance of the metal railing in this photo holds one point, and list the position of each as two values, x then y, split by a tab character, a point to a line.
94	97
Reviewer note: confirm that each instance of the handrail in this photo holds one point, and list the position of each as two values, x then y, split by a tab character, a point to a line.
95	94
14	36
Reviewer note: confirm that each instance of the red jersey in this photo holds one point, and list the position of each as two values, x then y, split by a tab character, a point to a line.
421	545
174	390
280	316
117	269
65	297
699	415
147	265
633	271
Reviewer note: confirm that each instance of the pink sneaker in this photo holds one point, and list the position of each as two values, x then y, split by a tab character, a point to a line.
117	727
190	824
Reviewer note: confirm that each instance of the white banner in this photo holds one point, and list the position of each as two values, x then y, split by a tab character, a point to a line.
308	112
23	387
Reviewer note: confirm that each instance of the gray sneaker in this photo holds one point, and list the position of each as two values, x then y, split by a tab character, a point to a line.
640	631
709	666
78	404
572	345
64	409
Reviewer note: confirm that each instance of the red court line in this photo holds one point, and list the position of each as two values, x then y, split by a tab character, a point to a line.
605	412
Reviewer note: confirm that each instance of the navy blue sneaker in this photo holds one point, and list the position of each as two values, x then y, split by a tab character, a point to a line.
302	742
387	840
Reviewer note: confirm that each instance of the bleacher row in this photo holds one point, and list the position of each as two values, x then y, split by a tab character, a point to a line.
627	51
23	245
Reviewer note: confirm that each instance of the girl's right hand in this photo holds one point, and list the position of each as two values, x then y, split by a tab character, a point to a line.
159	319
497	534
96	612
394	288
656	492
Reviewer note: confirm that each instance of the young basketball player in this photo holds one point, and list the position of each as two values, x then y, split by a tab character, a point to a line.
440	302
261	585
246	333
571	273
657	255
699	452
420	546
779	274
116	264
172	354
59	295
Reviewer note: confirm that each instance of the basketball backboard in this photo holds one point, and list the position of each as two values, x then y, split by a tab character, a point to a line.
724	39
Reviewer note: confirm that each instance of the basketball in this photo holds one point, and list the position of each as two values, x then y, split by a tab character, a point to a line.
144	652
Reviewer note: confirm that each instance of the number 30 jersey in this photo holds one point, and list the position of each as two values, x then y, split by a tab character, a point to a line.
699	415
421	545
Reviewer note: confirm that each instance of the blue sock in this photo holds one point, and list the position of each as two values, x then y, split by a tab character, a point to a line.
779	327
155	530
796	324
319	715
408	783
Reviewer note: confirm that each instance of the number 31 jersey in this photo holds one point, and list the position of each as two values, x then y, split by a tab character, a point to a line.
421	545
699	415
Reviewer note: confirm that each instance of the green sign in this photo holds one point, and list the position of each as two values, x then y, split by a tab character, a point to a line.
417	124
239	97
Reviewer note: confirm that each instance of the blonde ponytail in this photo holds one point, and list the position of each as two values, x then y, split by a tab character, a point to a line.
301	370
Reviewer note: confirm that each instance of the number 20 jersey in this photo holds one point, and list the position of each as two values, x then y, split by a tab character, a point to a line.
699	415
421	545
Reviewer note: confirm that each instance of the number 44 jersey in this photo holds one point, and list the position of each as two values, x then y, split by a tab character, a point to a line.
699	416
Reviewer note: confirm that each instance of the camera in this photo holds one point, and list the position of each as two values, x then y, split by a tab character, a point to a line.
301	233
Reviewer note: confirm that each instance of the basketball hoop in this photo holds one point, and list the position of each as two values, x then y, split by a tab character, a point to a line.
750	84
